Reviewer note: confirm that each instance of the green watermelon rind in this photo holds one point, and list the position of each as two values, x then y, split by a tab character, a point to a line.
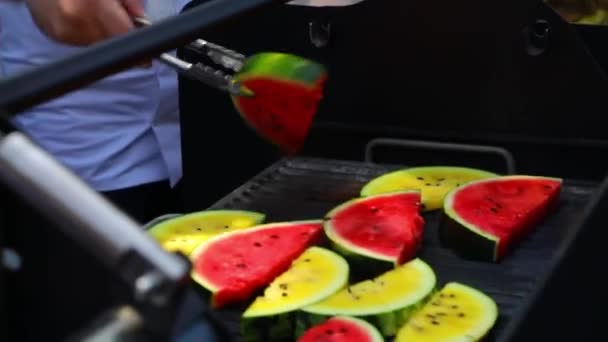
271	328
365	190
347	248
283	67
372	331
207	284
388	318
340	281
451	221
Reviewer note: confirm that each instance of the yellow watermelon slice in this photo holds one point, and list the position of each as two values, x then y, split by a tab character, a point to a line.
183	233
434	182
456	313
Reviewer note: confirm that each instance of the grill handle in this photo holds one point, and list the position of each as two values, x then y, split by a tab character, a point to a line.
433	145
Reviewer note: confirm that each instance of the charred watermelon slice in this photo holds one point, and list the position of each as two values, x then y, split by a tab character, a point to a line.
434	182
456	313
342	329
482	219
386	227
286	92
233	266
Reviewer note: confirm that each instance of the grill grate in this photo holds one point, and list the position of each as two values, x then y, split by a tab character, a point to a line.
306	188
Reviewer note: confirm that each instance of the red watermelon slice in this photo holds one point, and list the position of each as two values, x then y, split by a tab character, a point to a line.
385	227
235	265
286	92
484	218
342	329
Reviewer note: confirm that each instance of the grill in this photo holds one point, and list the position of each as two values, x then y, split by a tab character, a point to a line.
509	79
305	188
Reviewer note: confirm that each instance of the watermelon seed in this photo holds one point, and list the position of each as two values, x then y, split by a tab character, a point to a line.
441	295
454	306
435	323
430	316
416	327
198	229
457	184
441	179
307	260
428	184
329	332
374	209
343	330
461	314
420	178
352	295
283	286
441	314
257	244
274	236
436	303
438	184
241	265
226	227
452	295
284	294
494	210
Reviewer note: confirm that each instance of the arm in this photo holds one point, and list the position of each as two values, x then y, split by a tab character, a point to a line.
83	22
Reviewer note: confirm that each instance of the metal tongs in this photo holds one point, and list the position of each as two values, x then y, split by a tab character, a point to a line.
201	72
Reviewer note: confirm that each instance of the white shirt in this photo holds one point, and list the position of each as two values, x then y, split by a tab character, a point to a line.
119	132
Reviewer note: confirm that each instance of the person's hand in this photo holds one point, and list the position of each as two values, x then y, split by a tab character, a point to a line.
83	22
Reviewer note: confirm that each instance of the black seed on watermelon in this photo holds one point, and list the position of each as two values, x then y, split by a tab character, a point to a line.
483	219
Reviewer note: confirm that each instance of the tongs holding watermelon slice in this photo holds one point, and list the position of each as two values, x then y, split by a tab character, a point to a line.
277	94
